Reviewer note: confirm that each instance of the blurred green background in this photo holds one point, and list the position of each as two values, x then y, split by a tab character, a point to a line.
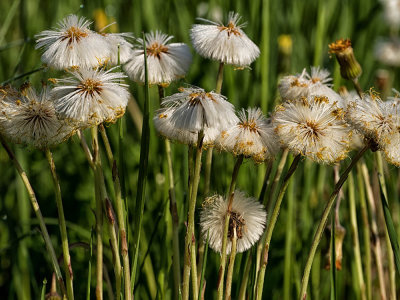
309	26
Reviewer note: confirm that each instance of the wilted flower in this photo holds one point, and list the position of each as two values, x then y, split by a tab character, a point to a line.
247	216
91	96
196	110
163	125
314	128
30	118
166	62
253	136
225	43
73	45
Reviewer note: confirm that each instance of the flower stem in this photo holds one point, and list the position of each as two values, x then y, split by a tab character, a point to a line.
229	274
220	78
99	217
271	226
221	273
190	242
63	227
322	223
121	213
174	213
38	213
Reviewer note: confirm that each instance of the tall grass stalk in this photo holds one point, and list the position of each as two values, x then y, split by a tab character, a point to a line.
38	213
271	226
376	244
203	269
366	232
323	220
221	272
391	264
121	215
143	166
355	238
63	227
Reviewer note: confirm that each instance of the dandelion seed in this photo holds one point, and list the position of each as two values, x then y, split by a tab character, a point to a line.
166	61
253	136
247	216
91	96
225	43
313	128
196	110
72	45
30	118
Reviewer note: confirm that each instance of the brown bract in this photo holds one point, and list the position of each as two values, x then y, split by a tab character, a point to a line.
230	29
74	34
156	49
90	87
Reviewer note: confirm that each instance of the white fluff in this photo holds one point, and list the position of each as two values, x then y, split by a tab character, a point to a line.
253	136
249	210
125	48
30	118
227	44
166	62
314	128
196	110
72	44
91	96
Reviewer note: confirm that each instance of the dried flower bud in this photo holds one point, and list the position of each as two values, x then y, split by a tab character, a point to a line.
349	67
340	232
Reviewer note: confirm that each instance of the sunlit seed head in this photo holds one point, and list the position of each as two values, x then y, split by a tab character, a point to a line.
74	35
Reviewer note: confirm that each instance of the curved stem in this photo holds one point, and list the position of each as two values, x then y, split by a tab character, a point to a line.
271	226
63	227
38	213
322	223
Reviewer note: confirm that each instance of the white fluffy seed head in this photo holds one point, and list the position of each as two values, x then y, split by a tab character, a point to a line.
91	96
163	125
247	216
72	45
225	43
313	128
372	117
196	110
253	136
166	61
388	51
29	118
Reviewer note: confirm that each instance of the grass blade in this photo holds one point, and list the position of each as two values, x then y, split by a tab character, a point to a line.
391	229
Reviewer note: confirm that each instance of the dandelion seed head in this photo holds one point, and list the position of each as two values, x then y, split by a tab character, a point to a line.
196	110
166	61
253	136
313	128
72	44
225	43
91	96
247	218
30	118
